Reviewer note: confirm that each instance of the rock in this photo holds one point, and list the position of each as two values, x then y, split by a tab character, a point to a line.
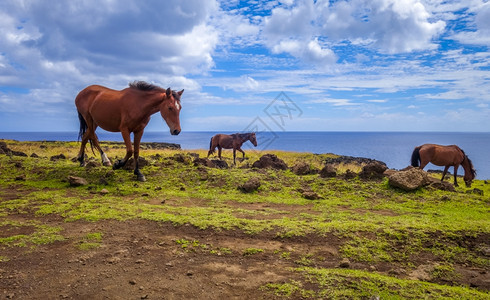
104	192
250	186
77	181
3	148
351	160
389	172
34	155
475	191
345	263
270	161
328	171
57	157
349	174
373	170
219	164
409	180
18	153
181	158
310	195
142	162
92	164
20	178
443	185
301	168
215	163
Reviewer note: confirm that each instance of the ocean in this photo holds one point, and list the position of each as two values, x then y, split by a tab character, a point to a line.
393	148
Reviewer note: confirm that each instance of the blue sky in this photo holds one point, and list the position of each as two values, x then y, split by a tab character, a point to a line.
380	65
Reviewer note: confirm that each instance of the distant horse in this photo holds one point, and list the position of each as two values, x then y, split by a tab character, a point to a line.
444	156
234	141
126	111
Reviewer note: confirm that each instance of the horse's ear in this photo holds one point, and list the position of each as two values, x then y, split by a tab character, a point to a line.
180	93
168	92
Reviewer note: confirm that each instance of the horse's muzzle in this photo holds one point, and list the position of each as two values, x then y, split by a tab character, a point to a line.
175	132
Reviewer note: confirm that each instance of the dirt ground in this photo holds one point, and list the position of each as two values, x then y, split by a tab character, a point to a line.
143	260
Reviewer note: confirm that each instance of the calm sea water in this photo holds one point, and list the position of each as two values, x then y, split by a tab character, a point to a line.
393	148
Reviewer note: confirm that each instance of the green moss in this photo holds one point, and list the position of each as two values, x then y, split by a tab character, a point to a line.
251	251
354	284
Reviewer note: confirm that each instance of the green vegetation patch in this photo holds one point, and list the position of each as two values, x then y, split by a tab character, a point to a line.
354	284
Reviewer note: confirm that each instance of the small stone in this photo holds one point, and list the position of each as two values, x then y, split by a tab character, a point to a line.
77	181
132	282
104	192
345	263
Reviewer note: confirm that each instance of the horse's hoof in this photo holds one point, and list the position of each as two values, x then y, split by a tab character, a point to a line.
117	165
107	163
141	178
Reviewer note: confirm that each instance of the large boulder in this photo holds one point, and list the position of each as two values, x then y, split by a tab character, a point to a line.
328	171
270	161
215	163
373	170
301	168
409	180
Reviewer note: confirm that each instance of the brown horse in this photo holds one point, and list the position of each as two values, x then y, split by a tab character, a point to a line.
234	141
126	111
444	156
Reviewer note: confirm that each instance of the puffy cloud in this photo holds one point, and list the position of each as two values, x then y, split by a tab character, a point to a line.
481	21
388	26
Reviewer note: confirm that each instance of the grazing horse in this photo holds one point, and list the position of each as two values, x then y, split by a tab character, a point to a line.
444	156
234	141
126	111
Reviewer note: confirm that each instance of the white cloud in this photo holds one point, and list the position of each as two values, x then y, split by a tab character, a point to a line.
389	26
335	102
481	22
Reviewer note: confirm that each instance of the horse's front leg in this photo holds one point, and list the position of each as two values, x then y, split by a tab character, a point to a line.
129	150
137	172
219	152
234	156
243	153
456	175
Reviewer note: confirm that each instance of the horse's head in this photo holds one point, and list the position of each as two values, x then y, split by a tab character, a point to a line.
469	171
170	110
253	139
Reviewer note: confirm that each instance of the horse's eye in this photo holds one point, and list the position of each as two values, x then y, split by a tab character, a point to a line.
170	108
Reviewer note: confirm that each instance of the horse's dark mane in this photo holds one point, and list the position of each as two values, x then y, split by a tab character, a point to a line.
473	171
143	86
242	135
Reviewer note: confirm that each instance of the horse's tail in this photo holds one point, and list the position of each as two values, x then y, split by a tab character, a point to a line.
416	157
211	149
83	126
83	129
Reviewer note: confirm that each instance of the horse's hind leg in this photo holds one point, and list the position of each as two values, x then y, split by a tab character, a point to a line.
219	152
129	150
212	146
105	161
444	173
81	153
